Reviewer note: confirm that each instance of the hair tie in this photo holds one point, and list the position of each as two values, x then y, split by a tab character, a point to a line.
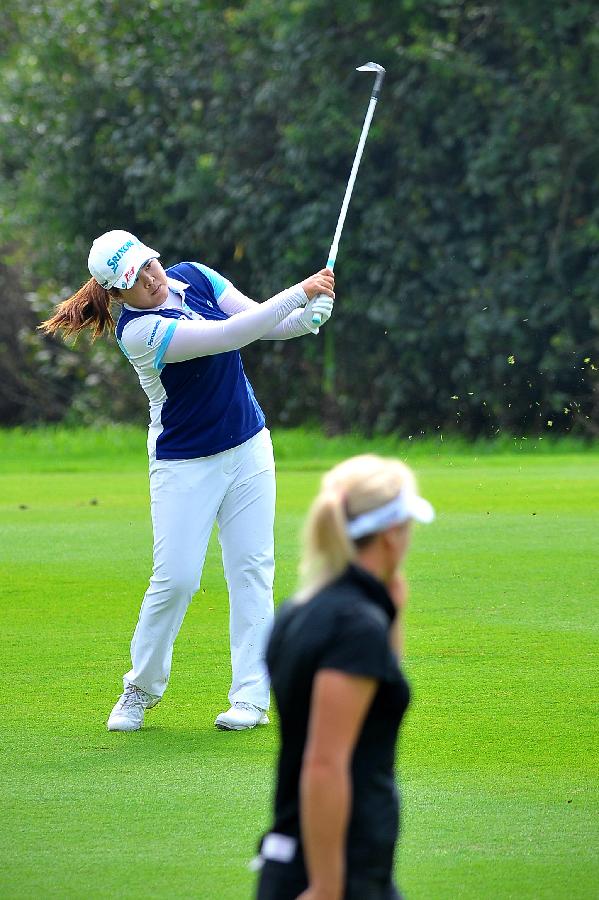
342	497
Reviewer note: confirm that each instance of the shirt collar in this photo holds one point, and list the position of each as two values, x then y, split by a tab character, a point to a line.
374	590
176	285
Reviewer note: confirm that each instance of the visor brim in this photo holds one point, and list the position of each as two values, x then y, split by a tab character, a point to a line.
136	260
420	510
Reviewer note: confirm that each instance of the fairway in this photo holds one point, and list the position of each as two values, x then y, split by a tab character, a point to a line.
498	756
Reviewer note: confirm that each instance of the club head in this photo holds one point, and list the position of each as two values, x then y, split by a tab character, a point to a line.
370	67
378	81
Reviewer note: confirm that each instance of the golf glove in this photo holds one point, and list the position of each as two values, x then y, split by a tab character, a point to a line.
320	304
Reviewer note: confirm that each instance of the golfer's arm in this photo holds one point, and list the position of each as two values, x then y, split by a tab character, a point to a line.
233	302
338	708
193	338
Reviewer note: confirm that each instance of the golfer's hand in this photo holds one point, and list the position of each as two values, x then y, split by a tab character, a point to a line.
321	305
322	282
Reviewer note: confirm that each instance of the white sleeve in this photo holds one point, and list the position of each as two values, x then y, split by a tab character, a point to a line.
145	340
233	301
192	338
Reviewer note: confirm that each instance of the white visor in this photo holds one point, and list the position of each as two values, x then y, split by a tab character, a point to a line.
406	506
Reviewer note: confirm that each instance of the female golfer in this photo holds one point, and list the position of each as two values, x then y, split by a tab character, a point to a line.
210	454
333	658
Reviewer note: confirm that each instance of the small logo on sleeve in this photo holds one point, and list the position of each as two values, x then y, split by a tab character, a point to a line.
150	340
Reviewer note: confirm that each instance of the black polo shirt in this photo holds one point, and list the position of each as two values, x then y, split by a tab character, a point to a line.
345	626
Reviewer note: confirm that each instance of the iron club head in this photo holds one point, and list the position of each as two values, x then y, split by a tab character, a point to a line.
370	67
380	74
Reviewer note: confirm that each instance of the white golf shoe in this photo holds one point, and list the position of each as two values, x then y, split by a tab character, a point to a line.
241	716
128	711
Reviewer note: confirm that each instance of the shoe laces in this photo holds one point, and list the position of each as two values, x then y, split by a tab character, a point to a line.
249	706
134	696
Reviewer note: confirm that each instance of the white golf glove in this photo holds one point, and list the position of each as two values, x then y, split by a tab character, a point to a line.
320	304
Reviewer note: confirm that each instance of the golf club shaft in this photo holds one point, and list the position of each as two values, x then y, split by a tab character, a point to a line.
350	184
332	258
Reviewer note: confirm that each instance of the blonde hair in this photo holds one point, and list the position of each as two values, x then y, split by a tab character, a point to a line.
353	487
89	307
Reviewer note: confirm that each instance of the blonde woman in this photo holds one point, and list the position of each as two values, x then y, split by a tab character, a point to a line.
333	658
211	457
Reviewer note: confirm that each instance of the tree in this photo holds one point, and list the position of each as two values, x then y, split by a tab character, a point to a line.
467	277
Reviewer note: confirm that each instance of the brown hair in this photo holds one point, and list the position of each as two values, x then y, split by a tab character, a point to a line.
351	488
89	307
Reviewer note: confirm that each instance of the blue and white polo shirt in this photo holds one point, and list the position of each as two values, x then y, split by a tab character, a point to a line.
201	406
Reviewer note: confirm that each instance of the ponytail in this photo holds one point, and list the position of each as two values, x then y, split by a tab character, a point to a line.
89	307
327	548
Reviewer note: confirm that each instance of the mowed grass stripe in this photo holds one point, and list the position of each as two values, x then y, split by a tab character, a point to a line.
498	755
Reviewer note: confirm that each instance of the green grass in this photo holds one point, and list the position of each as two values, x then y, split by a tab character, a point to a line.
498	758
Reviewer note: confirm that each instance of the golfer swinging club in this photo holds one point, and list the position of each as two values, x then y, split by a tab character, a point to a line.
210	455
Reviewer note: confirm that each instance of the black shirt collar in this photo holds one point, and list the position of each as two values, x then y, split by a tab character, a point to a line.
373	589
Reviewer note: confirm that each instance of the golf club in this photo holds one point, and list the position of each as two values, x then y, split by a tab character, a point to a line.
380	74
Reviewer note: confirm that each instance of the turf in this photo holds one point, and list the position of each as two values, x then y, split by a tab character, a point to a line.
498	756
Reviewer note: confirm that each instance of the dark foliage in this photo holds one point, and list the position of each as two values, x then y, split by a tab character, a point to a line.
468	273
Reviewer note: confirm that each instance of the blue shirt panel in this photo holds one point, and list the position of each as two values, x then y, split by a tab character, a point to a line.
210	405
215	278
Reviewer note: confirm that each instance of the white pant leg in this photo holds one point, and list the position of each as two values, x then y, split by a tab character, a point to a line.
185	496
246	534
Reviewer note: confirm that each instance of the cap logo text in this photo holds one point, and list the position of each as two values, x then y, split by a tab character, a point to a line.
114	260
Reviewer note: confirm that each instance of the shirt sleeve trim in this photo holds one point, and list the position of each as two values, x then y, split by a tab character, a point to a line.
163	346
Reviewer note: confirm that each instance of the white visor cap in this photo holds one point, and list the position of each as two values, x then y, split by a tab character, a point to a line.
116	257
406	506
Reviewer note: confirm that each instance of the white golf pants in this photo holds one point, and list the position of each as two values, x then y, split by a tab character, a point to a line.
235	488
